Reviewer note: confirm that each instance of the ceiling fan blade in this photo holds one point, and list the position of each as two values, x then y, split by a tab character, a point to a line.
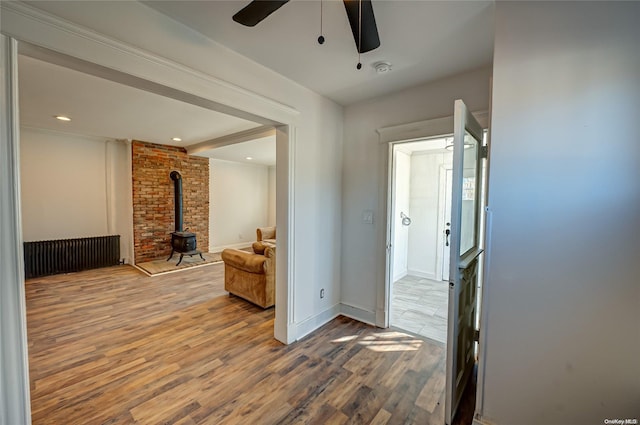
370	39
253	13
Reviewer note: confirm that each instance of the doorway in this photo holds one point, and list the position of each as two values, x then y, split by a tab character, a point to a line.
179	88
421	198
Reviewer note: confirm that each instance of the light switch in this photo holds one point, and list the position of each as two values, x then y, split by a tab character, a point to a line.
367	217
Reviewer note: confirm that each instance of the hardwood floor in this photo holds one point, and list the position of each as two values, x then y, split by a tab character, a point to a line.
113	346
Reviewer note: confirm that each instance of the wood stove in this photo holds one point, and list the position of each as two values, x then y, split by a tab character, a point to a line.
182	242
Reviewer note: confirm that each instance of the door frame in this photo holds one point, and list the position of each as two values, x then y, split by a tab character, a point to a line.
49	38
387	137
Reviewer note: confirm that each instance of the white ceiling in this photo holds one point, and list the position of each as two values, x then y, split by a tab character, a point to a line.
102	108
423	40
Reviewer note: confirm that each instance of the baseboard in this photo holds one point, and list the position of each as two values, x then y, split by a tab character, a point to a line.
478	420
358	314
309	325
400	275
424	275
234	246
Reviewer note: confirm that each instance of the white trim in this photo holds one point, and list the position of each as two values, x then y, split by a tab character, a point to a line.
15	405
383	311
314	322
285	222
425	129
358	313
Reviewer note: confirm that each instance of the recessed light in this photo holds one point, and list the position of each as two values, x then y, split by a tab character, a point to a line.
176	139
248	158
62	118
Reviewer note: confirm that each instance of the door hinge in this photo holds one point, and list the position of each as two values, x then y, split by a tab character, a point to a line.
476	335
484	151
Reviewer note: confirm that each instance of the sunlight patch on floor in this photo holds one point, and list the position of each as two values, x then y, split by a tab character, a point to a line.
385	341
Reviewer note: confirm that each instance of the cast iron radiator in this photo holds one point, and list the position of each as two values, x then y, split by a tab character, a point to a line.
43	258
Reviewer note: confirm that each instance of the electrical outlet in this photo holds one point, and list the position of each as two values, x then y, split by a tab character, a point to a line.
322	293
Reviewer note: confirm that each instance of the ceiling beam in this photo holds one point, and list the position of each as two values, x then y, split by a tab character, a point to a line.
232	139
62	59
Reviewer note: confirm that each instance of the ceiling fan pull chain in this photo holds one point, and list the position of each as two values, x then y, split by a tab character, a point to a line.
321	38
359	66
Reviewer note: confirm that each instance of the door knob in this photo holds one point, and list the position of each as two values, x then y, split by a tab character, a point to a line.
447	233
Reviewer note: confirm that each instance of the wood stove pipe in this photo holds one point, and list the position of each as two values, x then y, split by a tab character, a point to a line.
177	188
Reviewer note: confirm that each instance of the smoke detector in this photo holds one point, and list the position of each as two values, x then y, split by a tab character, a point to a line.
382	67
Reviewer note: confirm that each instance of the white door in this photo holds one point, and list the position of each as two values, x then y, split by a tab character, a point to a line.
465	249
446	231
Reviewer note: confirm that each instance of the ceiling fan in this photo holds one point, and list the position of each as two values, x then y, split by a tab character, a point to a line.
359	13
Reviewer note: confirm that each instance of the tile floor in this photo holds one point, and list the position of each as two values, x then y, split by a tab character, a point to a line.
420	306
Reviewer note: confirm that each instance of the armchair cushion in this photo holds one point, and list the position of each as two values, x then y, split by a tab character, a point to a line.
264	233
251	276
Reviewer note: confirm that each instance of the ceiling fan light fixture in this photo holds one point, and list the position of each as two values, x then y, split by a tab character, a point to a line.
382	67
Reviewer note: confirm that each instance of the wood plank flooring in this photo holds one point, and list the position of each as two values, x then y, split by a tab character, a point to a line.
113	346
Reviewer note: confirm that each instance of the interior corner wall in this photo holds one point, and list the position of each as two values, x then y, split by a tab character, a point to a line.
562	290
153	198
362	170
239	202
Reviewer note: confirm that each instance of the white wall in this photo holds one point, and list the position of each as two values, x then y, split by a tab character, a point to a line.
562	289
70	188
425	206
64	191
271	208
402	204
239	202
318	135
362	168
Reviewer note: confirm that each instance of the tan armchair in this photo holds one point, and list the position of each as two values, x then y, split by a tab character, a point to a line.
265	236
251	276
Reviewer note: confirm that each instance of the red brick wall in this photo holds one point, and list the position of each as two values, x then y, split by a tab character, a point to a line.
153	209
